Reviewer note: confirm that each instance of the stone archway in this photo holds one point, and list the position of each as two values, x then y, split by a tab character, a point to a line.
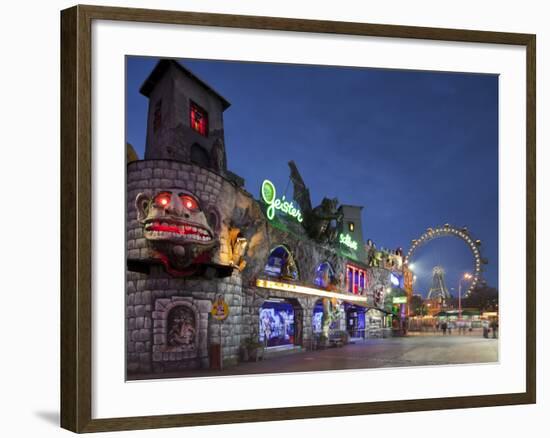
179	337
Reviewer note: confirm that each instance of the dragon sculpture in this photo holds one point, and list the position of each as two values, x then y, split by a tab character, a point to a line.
321	223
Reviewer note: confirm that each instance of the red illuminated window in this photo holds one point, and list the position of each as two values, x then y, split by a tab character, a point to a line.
198	119
356	280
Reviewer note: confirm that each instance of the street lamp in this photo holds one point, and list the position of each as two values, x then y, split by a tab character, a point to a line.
466	276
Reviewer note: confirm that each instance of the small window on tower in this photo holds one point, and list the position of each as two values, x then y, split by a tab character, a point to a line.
198	119
351	226
157	116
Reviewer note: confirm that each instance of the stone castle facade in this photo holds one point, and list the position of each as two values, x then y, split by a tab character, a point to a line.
194	235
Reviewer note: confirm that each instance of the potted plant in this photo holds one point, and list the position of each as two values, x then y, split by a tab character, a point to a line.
252	349
243	350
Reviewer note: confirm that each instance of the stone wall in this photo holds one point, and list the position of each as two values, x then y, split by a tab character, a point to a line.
229	207
147	294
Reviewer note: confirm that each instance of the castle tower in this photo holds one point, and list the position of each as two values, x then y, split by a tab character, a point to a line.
438	290
352	226
185	118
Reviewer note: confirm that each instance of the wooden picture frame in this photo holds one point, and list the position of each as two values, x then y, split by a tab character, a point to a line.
76	218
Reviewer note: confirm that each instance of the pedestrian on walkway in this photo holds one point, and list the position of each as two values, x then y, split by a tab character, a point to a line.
494	327
444	327
485	325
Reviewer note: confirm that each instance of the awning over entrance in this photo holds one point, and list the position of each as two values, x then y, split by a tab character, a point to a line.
299	289
357	300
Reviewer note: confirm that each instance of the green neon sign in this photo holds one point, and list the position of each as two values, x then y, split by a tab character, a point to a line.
399	300
269	196
345	239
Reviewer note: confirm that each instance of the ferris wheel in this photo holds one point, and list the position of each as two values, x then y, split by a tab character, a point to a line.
463	234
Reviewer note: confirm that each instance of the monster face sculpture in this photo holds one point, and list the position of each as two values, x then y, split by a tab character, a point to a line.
176	229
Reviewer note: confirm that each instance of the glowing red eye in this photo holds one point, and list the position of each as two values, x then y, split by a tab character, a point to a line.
163	199
189	202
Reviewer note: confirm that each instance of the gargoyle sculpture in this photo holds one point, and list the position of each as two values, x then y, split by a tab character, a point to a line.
176	230
321	222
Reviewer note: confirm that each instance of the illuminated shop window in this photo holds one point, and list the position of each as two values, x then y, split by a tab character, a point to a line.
198	119
276	323
157	116
280	264
356	279
324	276
351	226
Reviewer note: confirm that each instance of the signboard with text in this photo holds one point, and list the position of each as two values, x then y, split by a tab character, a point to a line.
269	196
399	300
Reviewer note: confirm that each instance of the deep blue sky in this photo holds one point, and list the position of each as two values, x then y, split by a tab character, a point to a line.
416	149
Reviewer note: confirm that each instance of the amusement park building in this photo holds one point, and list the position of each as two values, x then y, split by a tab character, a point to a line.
197	239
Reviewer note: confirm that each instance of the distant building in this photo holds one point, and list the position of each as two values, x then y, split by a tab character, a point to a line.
352	226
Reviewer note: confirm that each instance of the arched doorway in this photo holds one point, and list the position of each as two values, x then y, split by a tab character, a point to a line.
281	264
325	277
356	323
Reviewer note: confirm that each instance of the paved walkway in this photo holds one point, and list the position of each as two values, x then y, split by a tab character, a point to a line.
406	351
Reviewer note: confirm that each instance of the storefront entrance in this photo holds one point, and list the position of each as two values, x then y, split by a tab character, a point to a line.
280	323
355	321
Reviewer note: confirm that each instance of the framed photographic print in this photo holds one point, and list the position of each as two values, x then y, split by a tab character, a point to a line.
268	218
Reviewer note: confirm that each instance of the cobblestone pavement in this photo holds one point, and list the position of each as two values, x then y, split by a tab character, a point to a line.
406	351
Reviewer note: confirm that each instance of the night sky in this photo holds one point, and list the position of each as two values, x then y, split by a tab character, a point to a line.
416	149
